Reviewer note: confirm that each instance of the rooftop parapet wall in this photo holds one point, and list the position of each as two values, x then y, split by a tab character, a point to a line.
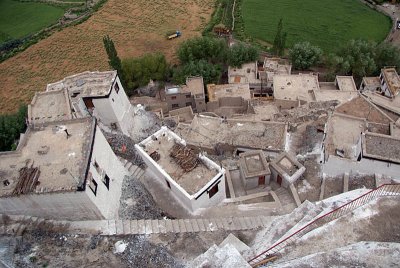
87	83
62	159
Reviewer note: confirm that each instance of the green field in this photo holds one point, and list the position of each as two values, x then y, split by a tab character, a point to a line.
326	23
18	19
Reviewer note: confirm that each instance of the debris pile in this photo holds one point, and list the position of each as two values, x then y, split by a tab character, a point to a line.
27	181
136	202
124	147
141	253
184	157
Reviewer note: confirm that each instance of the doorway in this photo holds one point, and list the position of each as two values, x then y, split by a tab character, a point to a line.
279	180
261	180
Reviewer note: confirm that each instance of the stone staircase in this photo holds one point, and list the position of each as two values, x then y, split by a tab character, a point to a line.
286	199
17	224
132	169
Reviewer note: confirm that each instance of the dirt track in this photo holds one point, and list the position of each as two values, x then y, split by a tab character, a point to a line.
136	26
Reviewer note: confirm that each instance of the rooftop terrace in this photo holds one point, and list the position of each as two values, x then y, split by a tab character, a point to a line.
228	90
193	175
205	131
62	161
49	106
86	84
295	87
246	74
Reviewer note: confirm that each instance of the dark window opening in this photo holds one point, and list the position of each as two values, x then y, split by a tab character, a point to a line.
74	95
106	182
93	186
168	184
97	167
175	105
116	87
188	96
173	97
188	104
213	191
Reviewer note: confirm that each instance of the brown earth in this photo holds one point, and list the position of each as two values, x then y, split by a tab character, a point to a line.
136	26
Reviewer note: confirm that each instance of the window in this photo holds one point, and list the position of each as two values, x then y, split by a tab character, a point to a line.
213	191
116	87
106	181
97	167
175	105
173	97
200	102
168	184
188	96
93	185
188	104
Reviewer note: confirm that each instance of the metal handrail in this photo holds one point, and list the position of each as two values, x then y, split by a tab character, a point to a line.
383	190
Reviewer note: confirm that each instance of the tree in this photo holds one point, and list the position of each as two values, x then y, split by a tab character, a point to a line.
356	58
304	55
278	47
387	55
11	126
240	53
211	73
203	48
138	72
113	60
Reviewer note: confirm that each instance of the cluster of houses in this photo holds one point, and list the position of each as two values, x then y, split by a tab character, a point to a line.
64	167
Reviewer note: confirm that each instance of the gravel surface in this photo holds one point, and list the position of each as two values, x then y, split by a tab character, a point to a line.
136	202
141	253
124	147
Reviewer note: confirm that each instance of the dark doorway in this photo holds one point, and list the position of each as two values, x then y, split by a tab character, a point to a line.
89	103
261	180
279	180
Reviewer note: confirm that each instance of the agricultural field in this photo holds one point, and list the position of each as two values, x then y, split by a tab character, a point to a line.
18	19
136	27
325	23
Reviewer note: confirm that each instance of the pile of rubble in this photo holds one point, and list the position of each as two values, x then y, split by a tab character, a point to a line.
124	147
136	202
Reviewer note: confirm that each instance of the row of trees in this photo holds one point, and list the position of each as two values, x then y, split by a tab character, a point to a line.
357	57
11	125
200	56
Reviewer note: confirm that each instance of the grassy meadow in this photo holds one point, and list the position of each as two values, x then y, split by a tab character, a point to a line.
325	23
18	19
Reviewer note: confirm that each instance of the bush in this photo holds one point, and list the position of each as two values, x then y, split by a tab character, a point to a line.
304	55
11	126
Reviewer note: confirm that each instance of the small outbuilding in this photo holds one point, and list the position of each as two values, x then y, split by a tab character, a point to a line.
254	169
285	169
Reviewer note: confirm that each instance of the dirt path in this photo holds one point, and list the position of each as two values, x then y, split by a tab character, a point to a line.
137	27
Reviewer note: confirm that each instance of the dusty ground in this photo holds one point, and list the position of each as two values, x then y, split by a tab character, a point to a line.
136	27
333	186
360	181
45	248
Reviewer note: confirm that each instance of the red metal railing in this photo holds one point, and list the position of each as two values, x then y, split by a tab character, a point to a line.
383	190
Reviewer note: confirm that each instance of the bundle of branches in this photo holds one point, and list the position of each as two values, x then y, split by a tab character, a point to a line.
184	157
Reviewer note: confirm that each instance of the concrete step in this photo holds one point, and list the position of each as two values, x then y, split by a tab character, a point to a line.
129	227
